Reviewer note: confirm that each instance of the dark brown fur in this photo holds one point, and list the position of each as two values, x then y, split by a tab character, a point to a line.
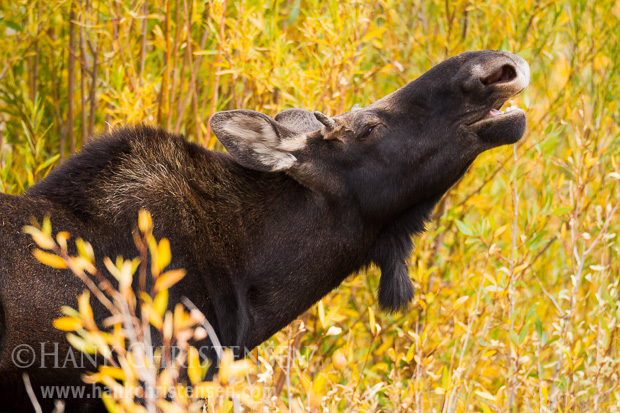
265	231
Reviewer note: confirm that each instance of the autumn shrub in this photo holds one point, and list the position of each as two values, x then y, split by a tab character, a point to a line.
142	371
517	285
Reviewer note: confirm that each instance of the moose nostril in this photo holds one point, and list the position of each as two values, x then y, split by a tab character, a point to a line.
505	73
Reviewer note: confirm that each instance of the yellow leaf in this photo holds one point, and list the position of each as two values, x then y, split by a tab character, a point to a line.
114	372
126	278
164	382
145	297
68	311
194	370
161	302
371	321
178	317
62	238
80	344
101	345
43	240
458	303
67	323
322	313
339	360
86	312
152	243
47	225
51	260
135	263
485	395
499	231
110	405
168	325
225	364
145	222
240	368
163	254
485	408
317	391
153	316
206	389
305	382
112	268
85	249
251	396
520	268
168	279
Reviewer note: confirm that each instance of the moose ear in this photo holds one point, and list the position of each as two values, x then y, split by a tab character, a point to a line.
256	141
299	120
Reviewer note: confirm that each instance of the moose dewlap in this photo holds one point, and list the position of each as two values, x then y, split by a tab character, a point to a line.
264	231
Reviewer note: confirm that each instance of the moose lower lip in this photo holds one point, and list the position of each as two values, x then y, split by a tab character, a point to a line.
501	129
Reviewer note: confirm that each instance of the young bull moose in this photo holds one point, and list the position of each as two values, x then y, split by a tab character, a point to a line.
264	231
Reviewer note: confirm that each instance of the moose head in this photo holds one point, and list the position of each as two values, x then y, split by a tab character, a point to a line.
404	150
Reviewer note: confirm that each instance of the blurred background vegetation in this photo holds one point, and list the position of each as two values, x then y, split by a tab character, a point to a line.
517	277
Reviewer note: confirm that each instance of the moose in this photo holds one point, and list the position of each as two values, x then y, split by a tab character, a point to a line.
298	203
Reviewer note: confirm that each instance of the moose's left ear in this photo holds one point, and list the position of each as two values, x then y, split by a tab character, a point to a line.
256	141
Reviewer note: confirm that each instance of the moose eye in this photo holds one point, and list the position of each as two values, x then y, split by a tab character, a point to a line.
368	131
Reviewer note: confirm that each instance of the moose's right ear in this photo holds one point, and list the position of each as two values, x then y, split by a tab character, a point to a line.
256	141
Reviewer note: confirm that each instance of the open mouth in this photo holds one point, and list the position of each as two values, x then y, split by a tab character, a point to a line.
496	111
499	78
500	127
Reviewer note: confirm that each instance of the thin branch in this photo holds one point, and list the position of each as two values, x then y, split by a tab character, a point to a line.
83	79
175	54
117	38
217	68
161	99
145	14
193	92
31	395
93	83
70	83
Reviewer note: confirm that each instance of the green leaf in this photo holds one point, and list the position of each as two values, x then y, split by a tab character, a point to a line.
463	228
48	162
514	338
561	210
524	332
538	326
12	25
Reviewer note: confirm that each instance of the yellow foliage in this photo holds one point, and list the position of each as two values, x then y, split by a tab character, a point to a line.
516	278
49	259
67	323
168	279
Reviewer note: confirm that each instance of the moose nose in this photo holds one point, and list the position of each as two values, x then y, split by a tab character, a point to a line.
507	73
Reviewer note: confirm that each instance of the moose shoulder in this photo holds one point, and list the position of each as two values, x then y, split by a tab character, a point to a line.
297	204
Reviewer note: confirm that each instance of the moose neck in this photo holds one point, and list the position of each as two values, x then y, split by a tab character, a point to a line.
269	246
305	245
